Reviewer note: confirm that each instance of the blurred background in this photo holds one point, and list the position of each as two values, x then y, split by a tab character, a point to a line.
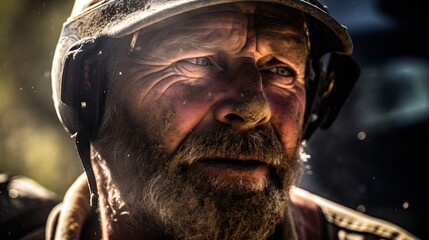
32	141
372	159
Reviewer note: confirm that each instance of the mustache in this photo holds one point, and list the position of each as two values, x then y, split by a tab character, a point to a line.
259	144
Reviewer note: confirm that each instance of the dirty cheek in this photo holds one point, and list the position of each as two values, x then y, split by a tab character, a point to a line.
169	110
186	109
287	118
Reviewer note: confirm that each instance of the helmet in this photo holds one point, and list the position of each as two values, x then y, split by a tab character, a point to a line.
79	101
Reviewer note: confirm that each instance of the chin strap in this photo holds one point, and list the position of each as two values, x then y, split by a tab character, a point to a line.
83	147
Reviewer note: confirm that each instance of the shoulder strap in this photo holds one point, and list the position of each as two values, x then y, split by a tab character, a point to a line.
322	218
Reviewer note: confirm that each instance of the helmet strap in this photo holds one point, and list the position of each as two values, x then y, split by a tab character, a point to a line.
83	147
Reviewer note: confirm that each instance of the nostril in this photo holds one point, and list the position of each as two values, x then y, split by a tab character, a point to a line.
234	118
263	120
253	112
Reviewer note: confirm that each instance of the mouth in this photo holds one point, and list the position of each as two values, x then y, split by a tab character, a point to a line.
248	174
232	164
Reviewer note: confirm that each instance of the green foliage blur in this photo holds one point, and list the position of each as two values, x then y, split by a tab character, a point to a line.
32	140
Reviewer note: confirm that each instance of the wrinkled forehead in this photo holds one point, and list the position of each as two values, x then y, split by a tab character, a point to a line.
261	16
225	27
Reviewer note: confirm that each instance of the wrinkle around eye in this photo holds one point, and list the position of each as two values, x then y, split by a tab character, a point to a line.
151	70
283	85
283	82
147	70
155	88
195	71
279	81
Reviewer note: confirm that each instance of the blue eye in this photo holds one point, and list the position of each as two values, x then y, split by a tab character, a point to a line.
201	61
282	71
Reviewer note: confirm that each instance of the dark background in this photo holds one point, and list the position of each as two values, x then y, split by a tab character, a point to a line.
375	156
372	159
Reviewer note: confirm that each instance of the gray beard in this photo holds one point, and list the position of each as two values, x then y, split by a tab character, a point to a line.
187	213
163	192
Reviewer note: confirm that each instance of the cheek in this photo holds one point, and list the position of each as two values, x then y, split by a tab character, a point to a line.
287	115
167	116
187	107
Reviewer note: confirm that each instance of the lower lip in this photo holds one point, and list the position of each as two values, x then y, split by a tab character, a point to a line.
250	176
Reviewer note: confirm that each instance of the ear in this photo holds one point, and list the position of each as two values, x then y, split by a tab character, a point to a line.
83	88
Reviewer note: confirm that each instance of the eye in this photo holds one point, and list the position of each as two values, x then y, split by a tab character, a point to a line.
201	61
282	71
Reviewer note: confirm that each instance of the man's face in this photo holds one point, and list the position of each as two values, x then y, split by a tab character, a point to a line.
203	122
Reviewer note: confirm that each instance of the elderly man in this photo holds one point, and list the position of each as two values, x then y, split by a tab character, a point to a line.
191	117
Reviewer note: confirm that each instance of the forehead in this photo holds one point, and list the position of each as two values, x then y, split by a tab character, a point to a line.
264	17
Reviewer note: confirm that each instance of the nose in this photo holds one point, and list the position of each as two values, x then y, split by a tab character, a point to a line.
245	105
